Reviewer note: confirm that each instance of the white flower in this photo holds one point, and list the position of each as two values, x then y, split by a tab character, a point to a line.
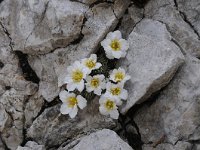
116	91
74	79
114	45
108	107
96	84
70	103
119	75
91	63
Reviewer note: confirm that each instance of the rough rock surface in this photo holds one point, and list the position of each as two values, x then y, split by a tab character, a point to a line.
101	140
191	12
45	127
51	68
15	92
165	56
166	146
174	114
53	34
42	26
183	33
31	145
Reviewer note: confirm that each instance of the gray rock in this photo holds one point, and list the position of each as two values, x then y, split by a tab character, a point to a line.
166	146
31	145
130	19
181	31
174	114
32	108
191	10
101	140
196	146
41	26
151	64
51	125
154	29
51	68
2	147
15	91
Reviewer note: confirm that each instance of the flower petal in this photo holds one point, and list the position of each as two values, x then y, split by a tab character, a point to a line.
81	101
117	54
80	86
64	109
68	79
93	57
125	45
71	86
114	35
105	43
103	110
98	65
63	95
97	91
114	114
73	113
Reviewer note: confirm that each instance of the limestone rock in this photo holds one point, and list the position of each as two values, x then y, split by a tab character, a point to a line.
42	26
151	64
31	145
175	113
191	9
130	19
46	127
165	146
154	29
180	30
101	140
2	147
51	68
32	108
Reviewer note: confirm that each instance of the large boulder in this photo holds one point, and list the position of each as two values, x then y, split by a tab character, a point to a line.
152	61
52	128
101	140
175	113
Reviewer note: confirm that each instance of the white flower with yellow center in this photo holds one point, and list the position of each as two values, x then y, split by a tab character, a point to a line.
119	75
91	63
114	45
76	75
96	84
108	107
71	102
116	91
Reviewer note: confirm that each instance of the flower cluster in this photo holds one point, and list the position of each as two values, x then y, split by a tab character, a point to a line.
80	78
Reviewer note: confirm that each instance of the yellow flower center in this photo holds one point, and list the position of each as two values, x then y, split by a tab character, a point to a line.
90	64
109	104
77	76
72	101
94	82
119	76
115	45
115	91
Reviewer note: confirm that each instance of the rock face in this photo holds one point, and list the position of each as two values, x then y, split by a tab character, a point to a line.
190	10
178	146
15	92
30	145
46	127
41	38
43	26
51	68
101	140
174	113
150	76
182	32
